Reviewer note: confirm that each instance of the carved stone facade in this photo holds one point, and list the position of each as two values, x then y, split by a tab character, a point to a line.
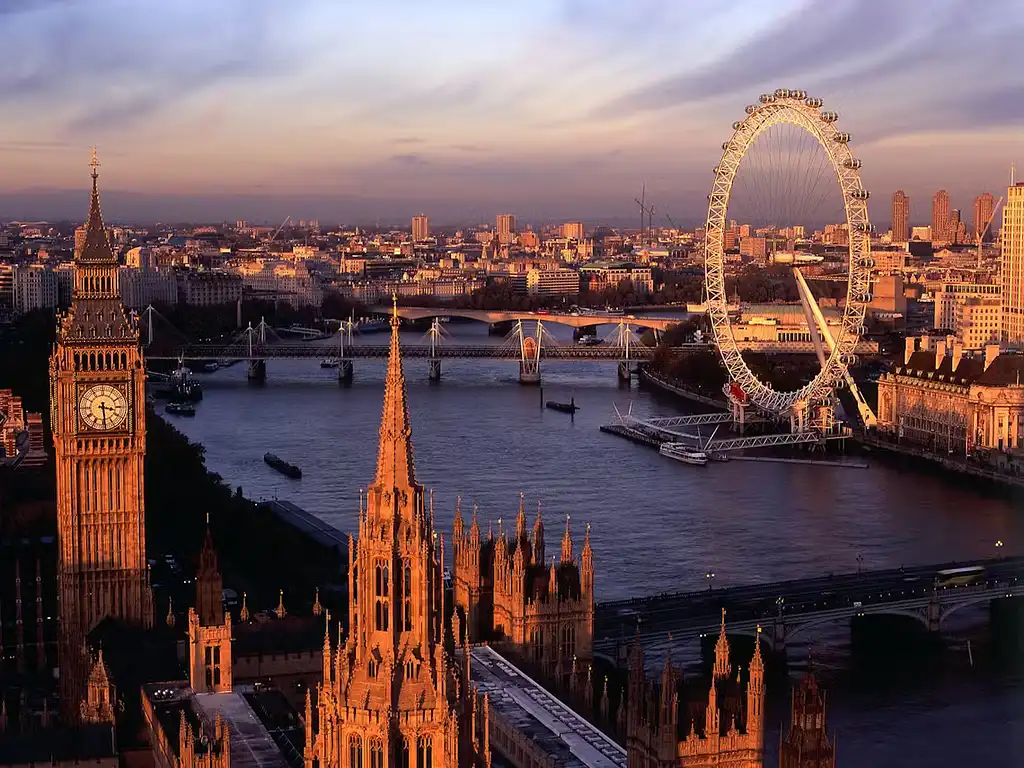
947	401
669	727
508	595
390	694
807	744
98	402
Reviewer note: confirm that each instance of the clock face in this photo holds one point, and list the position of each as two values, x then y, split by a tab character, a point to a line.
103	407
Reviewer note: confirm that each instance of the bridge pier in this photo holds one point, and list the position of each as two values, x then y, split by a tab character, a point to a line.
434	369
625	373
933	614
779	637
257	373
529	372
345	372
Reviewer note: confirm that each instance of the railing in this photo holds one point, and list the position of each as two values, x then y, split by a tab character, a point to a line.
364	351
803	615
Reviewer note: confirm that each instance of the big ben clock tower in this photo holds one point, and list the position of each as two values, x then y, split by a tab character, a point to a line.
97	397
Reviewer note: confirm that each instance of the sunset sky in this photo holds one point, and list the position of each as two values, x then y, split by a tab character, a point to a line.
353	110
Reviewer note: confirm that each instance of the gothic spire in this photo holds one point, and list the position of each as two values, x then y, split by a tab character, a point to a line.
96	249
395	464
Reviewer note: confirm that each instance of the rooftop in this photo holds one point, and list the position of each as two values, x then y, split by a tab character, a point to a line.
251	743
566	737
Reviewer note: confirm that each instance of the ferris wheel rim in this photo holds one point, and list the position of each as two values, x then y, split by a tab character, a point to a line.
792	107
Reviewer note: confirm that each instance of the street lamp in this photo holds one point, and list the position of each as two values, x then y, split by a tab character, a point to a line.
710	576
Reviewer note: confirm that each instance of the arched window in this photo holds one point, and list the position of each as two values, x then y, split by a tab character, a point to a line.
78	361
403	754
99	360
355	584
381	590
568	642
424	752
537	643
376	754
355	752
407	597
371	668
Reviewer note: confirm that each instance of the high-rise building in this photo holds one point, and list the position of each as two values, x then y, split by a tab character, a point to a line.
389	695
1012	235
506	228
900	217
984	208
420	228
97	380
79	240
940	217
572	230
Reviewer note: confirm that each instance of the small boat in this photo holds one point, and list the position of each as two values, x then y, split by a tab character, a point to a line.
210	366
180	409
282	466
697	458
588	340
569	407
718	456
329	362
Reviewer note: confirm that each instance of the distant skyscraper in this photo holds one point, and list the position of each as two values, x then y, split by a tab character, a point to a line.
984	207
1012	235
572	230
80	240
900	217
506	228
940	217
420	228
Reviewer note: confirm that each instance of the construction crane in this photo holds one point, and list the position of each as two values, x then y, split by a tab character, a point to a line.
286	220
644	211
980	236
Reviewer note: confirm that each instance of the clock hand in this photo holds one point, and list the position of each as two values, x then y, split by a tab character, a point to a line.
103	410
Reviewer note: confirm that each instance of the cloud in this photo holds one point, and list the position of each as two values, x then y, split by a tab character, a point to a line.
409	160
845	46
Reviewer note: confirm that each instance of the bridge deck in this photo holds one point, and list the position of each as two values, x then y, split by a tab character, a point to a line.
696	611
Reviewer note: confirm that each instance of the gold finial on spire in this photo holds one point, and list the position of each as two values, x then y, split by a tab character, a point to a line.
394	308
280	611
94	163
244	613
207	519
317	608
170	613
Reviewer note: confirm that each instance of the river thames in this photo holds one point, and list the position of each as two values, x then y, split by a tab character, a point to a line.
657	526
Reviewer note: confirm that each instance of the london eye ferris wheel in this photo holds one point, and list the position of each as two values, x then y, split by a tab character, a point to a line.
819	134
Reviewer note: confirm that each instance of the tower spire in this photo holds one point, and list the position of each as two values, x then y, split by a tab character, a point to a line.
96	249
395	464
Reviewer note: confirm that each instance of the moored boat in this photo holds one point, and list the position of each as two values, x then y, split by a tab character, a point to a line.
180	409
329	362
677	452
282	466
569	407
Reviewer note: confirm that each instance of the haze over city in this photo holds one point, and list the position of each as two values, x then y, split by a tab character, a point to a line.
364	111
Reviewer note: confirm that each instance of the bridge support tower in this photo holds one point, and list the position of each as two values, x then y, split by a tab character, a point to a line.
257	373
345	369
345	372
436	333
529	354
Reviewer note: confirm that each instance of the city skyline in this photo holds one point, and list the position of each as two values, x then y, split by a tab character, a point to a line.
261	112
